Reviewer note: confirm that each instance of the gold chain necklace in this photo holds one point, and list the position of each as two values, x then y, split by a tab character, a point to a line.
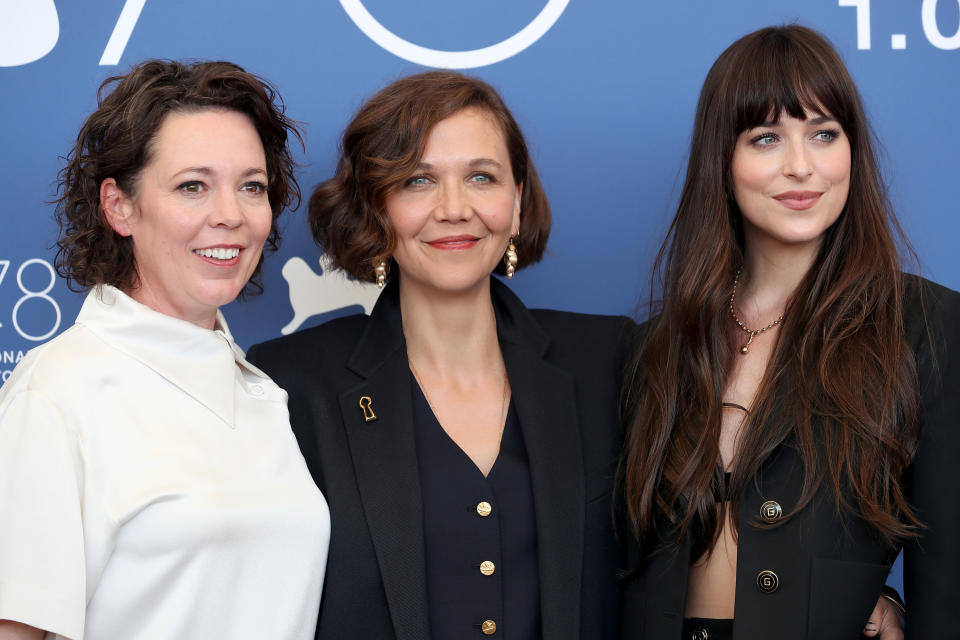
504	402
745	349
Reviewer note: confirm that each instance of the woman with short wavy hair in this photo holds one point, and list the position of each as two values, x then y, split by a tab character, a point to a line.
466	443
150	484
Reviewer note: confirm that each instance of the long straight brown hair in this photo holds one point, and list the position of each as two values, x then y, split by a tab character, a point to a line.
852	411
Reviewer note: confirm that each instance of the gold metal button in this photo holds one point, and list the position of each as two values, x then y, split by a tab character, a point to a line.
771	511
484	509
767	581
489	627
487	568
700	634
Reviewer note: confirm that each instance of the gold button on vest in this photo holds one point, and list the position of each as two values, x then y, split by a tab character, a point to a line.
487	568
484	509
489	627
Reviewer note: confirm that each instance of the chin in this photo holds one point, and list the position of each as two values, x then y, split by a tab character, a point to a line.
221	294
458	283
794	234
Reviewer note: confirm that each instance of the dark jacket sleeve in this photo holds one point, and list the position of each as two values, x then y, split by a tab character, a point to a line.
932	563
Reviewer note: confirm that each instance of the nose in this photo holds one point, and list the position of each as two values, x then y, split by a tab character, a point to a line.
227	210
454	203
797	164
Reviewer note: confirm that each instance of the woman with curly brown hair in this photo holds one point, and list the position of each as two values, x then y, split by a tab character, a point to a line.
794	400
466	444
151	485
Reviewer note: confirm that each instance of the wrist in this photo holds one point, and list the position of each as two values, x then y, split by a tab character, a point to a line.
892	596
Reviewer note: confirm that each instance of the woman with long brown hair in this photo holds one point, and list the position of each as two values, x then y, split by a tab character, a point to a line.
792	423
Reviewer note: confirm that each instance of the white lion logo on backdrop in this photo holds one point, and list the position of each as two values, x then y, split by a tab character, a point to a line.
454	59
29	29
312	294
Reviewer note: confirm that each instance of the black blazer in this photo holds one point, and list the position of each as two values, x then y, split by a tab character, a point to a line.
828	571
564	370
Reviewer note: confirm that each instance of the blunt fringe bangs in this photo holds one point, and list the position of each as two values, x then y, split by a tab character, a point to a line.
779	70
781	74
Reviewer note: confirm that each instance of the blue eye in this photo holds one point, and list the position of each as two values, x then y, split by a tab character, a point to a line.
827	135
417	181
764	139
482	178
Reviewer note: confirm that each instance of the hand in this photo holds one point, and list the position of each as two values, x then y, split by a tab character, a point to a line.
884	622
10	630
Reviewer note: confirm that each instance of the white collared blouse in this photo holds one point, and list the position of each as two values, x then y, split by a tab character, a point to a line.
151	487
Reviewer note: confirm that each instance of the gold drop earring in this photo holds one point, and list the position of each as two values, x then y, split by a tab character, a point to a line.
380	270
510	258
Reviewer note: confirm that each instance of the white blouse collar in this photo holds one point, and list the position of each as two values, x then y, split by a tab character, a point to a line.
201	362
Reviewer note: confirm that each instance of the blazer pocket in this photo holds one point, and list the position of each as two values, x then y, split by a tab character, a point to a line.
842	596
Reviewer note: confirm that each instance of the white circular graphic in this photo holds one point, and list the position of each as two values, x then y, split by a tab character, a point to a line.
454	59
28	31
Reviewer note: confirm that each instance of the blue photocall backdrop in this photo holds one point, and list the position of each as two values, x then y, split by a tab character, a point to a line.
605	91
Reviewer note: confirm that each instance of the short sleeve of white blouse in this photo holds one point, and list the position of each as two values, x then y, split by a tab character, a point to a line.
151	487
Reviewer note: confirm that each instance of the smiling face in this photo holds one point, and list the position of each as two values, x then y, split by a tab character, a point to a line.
453	218
791	179
200	215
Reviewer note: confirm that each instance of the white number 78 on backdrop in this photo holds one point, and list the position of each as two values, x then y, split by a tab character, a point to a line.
32	294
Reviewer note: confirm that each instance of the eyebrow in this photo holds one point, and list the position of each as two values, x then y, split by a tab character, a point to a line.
485	162
814	121
473	164
207	171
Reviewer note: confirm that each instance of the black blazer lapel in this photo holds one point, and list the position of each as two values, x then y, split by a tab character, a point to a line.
545	399
385	460
545	402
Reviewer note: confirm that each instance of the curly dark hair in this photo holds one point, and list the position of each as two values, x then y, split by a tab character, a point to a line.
380	150
116	142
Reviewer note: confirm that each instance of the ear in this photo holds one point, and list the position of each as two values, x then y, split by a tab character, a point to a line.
517	202
117	207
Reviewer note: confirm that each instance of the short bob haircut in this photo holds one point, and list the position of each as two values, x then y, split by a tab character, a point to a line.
380	150
116	142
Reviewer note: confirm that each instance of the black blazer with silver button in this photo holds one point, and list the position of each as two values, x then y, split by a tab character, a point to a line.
564	370
818	576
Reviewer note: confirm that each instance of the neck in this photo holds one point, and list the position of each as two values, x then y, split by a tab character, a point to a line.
145	295
451	334
770	275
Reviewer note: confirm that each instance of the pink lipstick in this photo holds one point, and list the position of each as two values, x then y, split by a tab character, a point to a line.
454	243
220	255
798	200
